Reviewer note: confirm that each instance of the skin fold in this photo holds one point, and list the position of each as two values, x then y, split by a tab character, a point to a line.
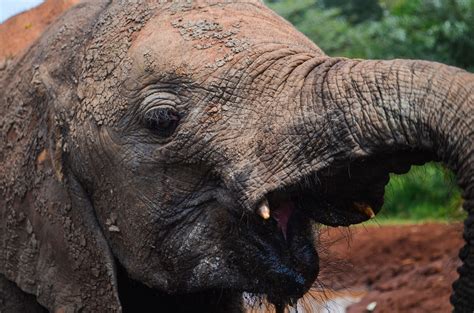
141	140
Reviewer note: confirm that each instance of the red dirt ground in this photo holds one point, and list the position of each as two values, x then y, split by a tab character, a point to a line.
404	268
19	31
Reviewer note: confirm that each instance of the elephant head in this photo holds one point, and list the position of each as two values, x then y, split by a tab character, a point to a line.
155	149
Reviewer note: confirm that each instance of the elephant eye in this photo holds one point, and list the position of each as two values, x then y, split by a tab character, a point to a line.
162	120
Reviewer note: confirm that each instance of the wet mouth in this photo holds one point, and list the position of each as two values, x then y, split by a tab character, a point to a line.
285	252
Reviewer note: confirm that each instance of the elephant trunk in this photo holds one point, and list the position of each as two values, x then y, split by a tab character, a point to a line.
376	107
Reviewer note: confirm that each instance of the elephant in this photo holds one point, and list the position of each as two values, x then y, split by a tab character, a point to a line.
171	155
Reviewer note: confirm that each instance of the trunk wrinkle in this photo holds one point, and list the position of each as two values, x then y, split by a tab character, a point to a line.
389	106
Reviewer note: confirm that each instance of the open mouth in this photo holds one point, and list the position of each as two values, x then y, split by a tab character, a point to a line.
341	195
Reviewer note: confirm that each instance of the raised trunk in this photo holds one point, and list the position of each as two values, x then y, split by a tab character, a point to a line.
390	106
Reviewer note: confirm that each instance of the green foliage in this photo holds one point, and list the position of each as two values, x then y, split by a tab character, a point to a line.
430	29
438	30
356	11
426	192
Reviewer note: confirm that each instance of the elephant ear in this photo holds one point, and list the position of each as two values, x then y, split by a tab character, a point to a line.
51	245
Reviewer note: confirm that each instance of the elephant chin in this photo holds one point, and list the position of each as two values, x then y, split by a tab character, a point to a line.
137	297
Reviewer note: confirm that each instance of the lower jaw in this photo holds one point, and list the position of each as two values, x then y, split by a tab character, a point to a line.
137	297
283	278
285	283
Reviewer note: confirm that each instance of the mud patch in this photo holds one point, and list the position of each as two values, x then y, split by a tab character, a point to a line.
403	268
207	34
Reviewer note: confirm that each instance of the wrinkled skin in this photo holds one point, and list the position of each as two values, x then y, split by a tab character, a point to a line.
139	140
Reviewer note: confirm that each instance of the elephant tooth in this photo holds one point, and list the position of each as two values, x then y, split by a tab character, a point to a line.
264	210
364	208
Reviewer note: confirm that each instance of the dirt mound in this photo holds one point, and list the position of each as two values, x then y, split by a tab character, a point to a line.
19	31
404	268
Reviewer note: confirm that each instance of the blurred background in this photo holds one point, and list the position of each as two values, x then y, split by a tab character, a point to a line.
9	8
436	30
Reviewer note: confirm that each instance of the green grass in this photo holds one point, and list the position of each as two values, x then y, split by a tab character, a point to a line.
425	193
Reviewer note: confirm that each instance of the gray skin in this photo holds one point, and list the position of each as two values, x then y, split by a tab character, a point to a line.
139	139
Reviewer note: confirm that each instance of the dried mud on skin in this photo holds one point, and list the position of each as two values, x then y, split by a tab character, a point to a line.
404	268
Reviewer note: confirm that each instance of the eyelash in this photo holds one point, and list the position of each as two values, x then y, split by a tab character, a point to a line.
162	121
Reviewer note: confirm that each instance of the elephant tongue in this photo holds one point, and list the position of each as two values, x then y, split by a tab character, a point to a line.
282	213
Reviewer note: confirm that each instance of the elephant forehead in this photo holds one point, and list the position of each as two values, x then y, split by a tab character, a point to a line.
208	38
136	42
